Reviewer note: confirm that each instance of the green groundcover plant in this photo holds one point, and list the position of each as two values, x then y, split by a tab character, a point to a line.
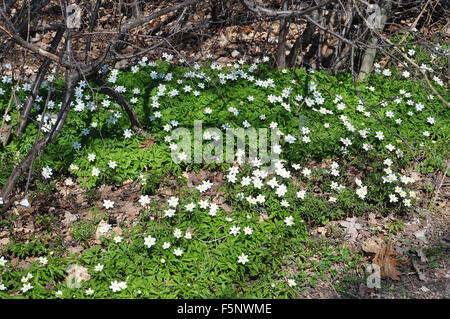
336	160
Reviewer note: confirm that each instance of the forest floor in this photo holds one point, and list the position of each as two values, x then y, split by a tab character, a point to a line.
418	258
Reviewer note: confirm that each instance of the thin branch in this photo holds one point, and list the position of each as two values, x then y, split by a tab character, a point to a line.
282	13
119	99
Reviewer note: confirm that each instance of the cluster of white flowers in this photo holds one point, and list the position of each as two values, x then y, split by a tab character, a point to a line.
118	285
204	186
47	172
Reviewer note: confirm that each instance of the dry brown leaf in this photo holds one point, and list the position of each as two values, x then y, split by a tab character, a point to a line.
130	209
117	231
14	262
69	218
352	227
219	177
166	191
127	182
220	201
75	249
371	246
387	259
148	143
105	191
24	264
226	207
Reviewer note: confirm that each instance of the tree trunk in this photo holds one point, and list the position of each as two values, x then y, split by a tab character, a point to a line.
281	50
369	56
302	41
